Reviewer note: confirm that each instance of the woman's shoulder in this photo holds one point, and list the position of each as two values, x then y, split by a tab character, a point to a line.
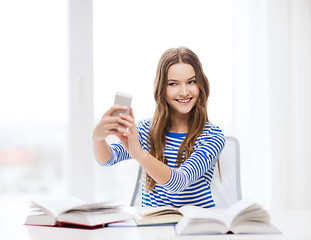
144	124
211	134
211	130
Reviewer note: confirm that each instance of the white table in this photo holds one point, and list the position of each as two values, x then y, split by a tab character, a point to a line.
295	225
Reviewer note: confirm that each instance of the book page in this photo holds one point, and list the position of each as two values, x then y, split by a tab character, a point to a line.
156	215
194	212
95	207
237	208
255	227
247	211
92	219
194	226
155	211
56	206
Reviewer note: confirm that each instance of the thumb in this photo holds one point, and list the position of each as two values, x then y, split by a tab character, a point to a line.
131	113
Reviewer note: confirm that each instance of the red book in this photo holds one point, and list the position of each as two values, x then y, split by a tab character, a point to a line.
73	212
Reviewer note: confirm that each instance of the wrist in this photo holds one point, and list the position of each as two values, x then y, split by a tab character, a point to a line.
98	138
141	155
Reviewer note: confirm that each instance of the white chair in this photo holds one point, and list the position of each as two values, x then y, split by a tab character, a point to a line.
137	194
226	189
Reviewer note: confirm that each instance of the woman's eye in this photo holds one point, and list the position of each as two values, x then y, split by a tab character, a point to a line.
192	81
172	84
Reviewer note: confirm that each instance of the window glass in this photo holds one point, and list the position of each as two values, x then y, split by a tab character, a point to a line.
33	97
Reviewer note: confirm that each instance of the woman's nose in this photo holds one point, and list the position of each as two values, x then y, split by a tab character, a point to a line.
184	91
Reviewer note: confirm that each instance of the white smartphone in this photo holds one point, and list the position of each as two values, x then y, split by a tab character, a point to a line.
122	99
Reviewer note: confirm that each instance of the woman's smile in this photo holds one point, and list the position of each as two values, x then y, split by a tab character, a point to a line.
184	101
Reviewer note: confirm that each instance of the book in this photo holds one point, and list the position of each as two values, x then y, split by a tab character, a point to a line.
245	217
157	216
73	212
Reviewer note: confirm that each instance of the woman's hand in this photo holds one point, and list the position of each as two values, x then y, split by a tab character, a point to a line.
108	124
129	134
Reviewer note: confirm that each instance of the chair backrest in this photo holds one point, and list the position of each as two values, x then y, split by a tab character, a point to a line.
137	194
225	190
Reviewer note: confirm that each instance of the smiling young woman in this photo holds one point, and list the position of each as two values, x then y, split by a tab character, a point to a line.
178	148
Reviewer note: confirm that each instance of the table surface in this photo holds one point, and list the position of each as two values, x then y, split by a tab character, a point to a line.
293	225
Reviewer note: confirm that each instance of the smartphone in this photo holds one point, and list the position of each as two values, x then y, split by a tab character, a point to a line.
122	99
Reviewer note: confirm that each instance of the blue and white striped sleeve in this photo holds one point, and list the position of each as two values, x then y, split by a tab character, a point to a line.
118	154
200	161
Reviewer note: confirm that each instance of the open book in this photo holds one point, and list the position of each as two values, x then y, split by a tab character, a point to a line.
69	211
244	216
157	216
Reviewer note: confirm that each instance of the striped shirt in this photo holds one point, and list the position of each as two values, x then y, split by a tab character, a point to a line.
189	183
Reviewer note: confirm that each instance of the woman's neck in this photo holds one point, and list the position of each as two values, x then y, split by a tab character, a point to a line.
179	124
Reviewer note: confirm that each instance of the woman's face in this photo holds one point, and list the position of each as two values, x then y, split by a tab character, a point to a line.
182	91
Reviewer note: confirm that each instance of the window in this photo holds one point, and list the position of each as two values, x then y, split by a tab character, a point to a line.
33	97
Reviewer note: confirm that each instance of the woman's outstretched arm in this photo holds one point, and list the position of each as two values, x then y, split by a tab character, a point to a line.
159	171
107	125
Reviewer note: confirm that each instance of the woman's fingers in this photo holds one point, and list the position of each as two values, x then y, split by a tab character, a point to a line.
131	113
107	126
114	125
115	108
126	121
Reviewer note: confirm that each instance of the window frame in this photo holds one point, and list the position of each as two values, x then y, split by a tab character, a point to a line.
80	95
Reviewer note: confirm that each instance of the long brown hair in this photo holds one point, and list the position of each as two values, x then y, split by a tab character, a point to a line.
161	120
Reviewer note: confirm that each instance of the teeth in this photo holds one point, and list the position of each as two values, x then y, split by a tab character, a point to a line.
184	100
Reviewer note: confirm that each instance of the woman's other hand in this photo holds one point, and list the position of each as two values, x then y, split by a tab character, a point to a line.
109	124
